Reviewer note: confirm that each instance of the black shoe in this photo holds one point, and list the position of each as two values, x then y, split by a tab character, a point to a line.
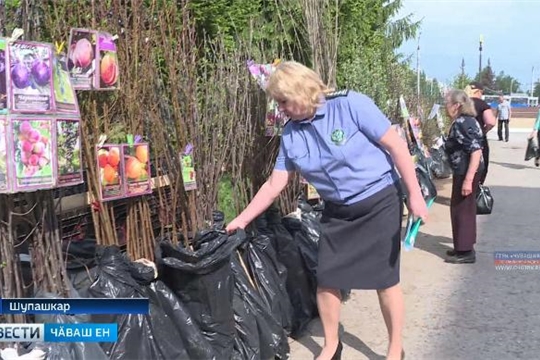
537	162
462	258
451	252
339	349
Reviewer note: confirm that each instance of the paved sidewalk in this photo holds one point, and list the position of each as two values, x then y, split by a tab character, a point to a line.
460	312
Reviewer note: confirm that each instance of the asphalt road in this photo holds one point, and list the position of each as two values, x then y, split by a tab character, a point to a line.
471	311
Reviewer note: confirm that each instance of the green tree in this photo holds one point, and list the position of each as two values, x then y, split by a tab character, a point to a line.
506	83
460	81
487	77
367	58
537	89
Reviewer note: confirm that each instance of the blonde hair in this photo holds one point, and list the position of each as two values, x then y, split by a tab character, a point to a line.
466	105
294	81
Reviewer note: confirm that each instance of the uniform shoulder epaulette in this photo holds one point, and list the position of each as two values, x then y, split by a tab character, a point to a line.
337	93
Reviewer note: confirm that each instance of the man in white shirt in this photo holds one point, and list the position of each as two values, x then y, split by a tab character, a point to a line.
504	112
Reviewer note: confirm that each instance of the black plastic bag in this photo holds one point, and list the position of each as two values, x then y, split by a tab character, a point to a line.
270	336
270	277
71	350
440	165
429	191
300	287
158	335
79	254
202	279
484	200
306	233
532	150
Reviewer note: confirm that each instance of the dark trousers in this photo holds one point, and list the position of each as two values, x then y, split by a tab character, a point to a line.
463	214
500	125
485	155
538	142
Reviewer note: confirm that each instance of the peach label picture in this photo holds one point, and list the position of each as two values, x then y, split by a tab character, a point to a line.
33	154
68	139
110	165
107	76
137	169
82	56
30	88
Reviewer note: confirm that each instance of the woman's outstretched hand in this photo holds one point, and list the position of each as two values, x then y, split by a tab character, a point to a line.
234	225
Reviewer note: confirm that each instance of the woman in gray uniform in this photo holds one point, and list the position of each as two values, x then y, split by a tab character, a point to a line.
343	145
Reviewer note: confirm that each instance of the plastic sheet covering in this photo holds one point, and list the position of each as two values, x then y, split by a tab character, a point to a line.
167	332
202	279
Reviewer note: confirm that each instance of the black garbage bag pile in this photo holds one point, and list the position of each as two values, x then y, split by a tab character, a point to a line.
80	263
202	279
71	350
260	335
270	277
167	332
299	285
306	232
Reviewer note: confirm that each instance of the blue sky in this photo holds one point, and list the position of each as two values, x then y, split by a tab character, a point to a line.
451	31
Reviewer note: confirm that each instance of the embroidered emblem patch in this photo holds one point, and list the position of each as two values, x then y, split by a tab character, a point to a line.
338	137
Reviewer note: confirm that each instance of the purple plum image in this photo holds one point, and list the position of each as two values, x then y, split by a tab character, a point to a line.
41	73
20	76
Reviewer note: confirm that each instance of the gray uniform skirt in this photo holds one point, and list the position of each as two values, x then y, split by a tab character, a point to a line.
360	244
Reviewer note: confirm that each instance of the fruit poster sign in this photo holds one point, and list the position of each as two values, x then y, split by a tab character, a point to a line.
64	93
82	58
32	154
110	172
137	170
30	86
69	158
3	77
107	76
4	176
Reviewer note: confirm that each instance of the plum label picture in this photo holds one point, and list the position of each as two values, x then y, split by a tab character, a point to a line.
31	86
110	166
3	77
64	94
137	170
82	55
33	153
68	139
188	172
4	182
107	78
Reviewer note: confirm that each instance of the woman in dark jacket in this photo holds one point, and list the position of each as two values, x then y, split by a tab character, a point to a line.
464	147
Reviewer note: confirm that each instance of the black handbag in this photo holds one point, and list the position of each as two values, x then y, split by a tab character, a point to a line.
484	200
532	150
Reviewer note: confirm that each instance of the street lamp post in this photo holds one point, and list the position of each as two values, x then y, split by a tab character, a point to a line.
480	54
532	81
